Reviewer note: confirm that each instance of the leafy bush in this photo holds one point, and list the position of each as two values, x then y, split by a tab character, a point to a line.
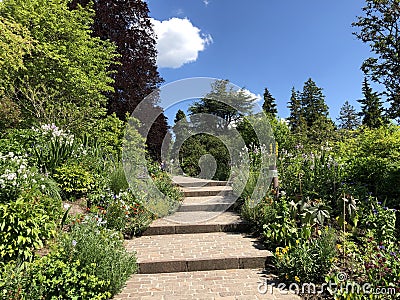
309	260
372	159
380	221
316	175
25	225
117	179
122	212
10	113
100	250
54	147
90	262
260	213
74	180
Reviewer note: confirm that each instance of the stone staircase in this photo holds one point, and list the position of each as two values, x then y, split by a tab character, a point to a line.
202	251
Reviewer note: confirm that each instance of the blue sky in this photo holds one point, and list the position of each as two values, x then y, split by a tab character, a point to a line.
264	43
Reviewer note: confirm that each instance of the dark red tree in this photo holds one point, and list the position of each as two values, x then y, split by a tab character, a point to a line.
127	24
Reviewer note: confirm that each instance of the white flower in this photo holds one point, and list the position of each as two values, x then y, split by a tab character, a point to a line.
43	187
74	243
66	206
11	154
11	176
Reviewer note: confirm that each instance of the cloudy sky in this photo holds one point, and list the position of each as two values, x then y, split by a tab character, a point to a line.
257	44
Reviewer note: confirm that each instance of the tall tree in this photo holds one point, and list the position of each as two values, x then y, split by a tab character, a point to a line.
380	29
127	24
348	117
225	102
65	72
269	105
372	111
296	119
313	103
180	115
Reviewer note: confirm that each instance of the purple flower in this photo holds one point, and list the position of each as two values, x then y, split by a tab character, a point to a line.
74	243
379	202
375	211
382	247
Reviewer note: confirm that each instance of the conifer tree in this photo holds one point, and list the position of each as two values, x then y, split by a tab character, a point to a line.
269	105
348	117
371	107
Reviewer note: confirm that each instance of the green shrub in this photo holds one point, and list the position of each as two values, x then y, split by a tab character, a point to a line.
100	250
117	179
74	180
372	159
309	260
122	212
25	225
10	114
260	213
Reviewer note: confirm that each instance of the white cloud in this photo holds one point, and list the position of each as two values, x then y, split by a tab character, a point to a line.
178	42
255	97
206	2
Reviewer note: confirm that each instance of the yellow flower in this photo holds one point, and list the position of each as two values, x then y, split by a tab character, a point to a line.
297	242
319	232
287	276
297	278
339	246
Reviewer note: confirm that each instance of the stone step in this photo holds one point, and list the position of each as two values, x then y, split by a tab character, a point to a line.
207	203
184	223
198	252
205	285
196	182
207	191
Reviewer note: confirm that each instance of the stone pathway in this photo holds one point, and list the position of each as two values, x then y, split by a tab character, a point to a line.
200	252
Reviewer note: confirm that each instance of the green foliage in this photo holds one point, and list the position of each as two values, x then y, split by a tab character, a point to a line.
25	225
309	260
15	42
269	105
74	180
380	221
9	113
314	175
371	107
378	28
117	179
371	158
100	250
90	262
199	145
51	277
348	117
65	73
225	102
54	147
259	213
122	212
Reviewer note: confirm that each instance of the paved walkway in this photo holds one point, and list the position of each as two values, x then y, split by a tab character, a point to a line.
200	252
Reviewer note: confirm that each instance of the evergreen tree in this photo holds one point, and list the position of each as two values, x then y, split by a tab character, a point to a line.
179	116
371	107
313	103
269	105
296	120
127	24
348	117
